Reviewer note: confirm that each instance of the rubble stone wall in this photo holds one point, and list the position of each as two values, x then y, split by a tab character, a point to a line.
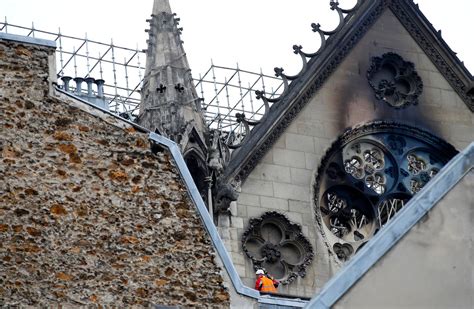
88	214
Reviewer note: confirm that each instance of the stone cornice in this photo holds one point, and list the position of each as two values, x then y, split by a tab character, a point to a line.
430	40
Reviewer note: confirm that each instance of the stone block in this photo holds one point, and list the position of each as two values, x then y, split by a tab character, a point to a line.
424	63
311	129
451	115
305	231
301	176
309	220
249	199
274	203
311	161
300	207
233	208
224	232
294	192
333	129
462	133
233	232
272	172
240	270
228	247
238	259
268	157
280	143
237	222
289	158
258	187
437	80
295	217
299	142
321	145
255	212
292	128
236	247
430	96
241	210
223	221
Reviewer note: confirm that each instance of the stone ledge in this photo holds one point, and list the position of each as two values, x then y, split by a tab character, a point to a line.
27	39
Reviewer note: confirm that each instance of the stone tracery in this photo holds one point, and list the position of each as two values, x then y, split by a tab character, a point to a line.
394	80
274	243
367	176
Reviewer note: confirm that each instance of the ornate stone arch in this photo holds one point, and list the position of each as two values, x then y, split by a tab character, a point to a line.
367	175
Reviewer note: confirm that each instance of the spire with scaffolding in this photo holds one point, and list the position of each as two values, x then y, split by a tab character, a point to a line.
170	103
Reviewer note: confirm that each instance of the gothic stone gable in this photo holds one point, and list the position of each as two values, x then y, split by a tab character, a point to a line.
282	179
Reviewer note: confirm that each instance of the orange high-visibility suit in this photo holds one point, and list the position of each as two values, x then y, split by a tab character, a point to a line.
264	284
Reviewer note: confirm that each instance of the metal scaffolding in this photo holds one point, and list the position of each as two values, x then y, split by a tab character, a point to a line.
226	92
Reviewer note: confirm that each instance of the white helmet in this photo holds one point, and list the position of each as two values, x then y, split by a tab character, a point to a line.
259	272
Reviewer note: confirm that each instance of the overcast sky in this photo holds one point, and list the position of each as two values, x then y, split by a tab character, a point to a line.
255	33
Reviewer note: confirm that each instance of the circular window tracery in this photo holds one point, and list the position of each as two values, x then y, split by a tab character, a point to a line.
274	243
367	176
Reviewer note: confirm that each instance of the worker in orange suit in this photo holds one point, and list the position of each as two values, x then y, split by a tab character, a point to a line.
265	283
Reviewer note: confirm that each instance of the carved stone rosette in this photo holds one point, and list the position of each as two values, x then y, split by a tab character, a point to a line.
394	80
367	176
274	243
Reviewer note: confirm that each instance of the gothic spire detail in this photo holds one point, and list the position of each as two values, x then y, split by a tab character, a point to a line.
169	100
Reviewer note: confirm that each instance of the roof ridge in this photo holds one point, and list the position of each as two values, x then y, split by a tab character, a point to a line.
325	36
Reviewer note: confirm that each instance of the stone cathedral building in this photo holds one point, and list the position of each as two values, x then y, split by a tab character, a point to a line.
354	189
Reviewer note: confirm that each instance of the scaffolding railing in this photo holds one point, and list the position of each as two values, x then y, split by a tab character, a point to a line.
225	91
231	91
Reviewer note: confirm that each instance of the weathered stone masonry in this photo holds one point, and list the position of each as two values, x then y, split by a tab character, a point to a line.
88	214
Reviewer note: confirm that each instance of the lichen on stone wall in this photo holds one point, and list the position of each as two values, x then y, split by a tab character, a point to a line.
88	214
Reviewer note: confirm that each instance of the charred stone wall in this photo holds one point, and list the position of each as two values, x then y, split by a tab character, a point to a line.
88	214
283	181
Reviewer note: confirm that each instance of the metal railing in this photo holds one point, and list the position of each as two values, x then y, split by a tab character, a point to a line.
226	91
231	91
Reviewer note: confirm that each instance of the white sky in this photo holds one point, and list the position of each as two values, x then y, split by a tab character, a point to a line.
255	33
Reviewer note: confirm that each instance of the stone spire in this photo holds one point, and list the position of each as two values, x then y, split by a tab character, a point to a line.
169	99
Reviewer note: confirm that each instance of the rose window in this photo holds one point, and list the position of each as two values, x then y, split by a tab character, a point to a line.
415	164
367	165
420	166
275	244
368	176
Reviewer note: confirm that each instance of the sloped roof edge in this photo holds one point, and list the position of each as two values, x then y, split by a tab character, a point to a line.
436	48
301	90
174	149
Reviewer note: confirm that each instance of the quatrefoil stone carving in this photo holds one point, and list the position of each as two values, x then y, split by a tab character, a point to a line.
394	80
